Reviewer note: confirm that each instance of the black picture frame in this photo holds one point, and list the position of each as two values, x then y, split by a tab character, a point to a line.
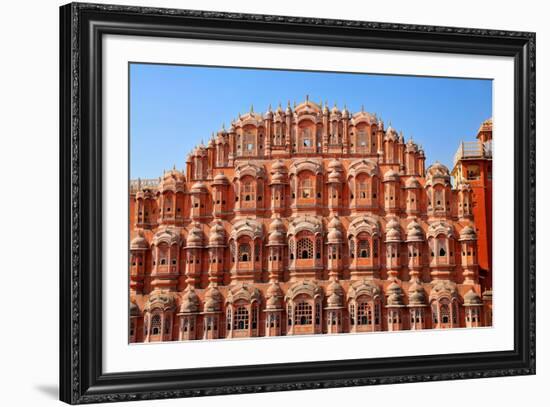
81	29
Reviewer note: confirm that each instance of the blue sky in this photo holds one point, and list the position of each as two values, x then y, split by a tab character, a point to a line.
173	108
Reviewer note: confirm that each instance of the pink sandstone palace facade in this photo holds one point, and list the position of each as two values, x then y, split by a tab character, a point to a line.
311	221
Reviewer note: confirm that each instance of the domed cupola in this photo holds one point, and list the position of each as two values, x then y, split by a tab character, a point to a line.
471	298
212	300
217	235
414	232
393	231
189	302
467	233
395	295
195	238
139	242
335	234
276	235
417	295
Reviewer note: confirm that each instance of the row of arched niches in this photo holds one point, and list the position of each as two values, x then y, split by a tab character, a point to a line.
306	307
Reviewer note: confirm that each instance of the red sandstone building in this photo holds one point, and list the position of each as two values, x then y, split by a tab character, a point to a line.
311	221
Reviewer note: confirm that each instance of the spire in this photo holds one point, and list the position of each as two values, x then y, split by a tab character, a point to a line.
363	109
251	108
269	108
307	98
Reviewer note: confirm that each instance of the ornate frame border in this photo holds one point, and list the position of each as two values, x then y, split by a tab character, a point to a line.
81	28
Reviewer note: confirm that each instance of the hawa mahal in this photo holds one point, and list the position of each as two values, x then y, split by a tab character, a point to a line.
310	220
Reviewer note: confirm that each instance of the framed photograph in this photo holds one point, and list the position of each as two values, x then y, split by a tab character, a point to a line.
254	203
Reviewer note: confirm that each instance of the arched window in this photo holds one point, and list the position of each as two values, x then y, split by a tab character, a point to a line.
244	252
306	188
241	318
364	249
305	248
351	248
442	252
155	324
303	313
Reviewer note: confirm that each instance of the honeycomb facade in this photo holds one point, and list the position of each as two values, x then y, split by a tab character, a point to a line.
309	220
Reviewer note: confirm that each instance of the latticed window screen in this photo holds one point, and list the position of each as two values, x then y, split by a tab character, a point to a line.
291	249
306	188
362	189
241	318
364	248
155	324
303	313
244	252
445	313
364	313
247	191
305	248
249	142
351	248
307	140
362	139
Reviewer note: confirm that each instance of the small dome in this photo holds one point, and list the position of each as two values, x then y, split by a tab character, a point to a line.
437	171
134	309
276	225
274	297
139	243
189	301
217	235
335	287
212	300
335	110
417	295
414	232
472	299
219	179
274	290
277	178
195	238
276	237
468	233
395	294
334	234
391	175
334	300
198	187
273	303
412	183
393	231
